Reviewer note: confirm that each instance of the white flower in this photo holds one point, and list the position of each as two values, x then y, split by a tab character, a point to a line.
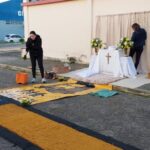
125	43
95	44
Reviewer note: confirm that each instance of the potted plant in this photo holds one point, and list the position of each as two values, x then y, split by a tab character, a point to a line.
125	44
97	44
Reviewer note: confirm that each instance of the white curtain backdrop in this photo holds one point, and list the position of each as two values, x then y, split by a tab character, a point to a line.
112	28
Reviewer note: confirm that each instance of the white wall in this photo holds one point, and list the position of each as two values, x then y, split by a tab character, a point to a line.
110	7
105	7
65	27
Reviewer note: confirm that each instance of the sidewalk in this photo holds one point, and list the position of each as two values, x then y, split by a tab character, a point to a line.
11	62
14	59
11	47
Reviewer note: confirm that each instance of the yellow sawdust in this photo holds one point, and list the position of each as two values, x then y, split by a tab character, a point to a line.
38	92
47	134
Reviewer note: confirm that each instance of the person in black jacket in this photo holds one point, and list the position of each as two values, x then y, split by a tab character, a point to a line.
34	47
139	37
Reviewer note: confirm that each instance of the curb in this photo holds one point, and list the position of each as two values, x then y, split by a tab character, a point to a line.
14	68
140	92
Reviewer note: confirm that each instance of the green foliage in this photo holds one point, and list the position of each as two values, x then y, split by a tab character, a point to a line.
125	43
25	102
96	43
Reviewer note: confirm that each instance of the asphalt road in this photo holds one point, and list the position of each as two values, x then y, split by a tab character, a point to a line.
5	145
124	119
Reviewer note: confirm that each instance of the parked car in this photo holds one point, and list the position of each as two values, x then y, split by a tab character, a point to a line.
13	38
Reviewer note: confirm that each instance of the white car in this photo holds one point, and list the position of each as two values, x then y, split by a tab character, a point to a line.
12	38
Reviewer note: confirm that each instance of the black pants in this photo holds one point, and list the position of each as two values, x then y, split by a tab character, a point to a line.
39	59
138	51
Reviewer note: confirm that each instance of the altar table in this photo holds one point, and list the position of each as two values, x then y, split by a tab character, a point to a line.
110	61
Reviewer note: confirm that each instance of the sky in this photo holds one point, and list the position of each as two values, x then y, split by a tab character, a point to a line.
1	1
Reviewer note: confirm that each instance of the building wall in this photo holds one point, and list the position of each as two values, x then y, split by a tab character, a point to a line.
110	7
105	7
65	27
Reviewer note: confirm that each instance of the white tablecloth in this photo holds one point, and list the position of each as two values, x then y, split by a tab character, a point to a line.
115	65
128	67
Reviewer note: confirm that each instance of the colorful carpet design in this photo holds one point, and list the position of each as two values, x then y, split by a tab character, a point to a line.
39	93
45	133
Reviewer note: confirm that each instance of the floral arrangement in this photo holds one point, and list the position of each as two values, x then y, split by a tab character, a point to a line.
25	102
96	43
125	43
